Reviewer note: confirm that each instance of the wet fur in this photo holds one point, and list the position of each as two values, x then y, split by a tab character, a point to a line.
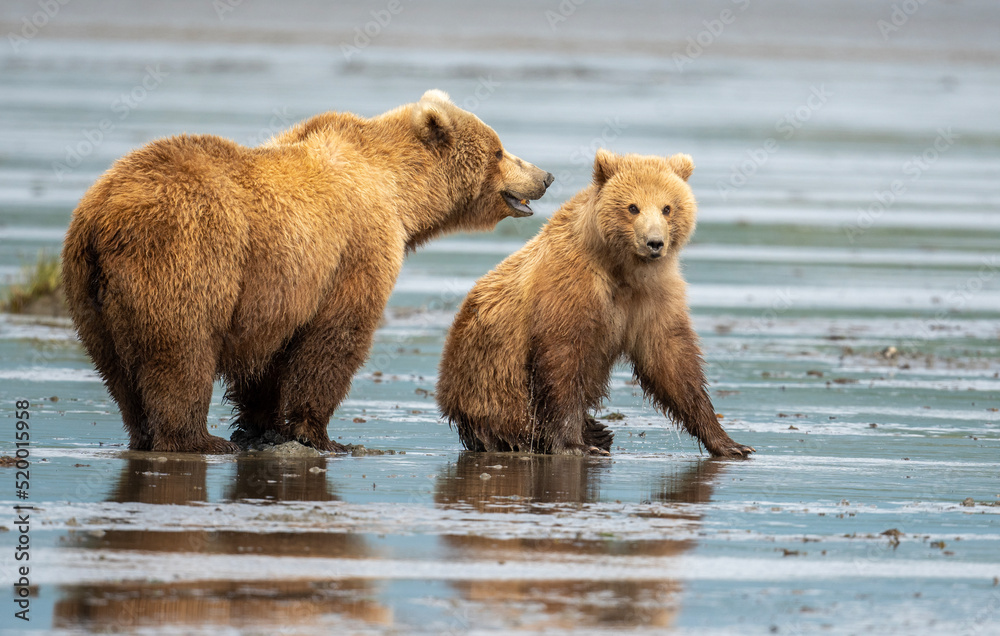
194	258
531	350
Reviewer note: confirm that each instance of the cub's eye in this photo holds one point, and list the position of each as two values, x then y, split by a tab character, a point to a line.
633	208
499	155
666	210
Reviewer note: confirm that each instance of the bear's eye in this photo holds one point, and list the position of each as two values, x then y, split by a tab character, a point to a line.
666	210
499	155
633	208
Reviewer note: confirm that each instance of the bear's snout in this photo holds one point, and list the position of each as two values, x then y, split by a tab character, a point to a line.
536	181
651	232
523	182
655	246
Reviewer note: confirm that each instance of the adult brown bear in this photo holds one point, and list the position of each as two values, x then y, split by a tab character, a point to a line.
196	257
531	350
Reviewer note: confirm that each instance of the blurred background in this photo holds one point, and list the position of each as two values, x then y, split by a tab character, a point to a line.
843	279
801	119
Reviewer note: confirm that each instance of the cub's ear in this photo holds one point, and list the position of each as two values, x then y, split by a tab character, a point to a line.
605	166
431	121
682	165
436	95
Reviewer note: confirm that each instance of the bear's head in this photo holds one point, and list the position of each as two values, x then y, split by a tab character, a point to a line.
644	209
485	183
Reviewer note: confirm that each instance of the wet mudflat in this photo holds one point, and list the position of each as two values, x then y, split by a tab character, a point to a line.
844	280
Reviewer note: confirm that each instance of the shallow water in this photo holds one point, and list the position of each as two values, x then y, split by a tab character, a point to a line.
801	273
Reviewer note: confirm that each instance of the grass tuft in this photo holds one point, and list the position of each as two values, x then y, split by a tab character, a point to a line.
42	279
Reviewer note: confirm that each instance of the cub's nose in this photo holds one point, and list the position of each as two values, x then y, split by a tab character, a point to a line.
548	179
655	245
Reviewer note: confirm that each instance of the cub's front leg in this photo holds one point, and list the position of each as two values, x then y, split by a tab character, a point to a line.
668	364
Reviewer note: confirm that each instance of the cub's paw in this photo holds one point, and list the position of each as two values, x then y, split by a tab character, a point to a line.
731	449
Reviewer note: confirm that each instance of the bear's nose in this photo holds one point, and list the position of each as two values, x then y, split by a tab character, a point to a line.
654	245
548	179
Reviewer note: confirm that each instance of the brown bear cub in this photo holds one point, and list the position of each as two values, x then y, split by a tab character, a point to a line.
532	348
195	257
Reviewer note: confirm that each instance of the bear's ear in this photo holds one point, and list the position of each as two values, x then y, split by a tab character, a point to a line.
605	166
431	122
436	95
682	165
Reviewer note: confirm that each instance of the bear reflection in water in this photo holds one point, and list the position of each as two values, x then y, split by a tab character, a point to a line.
559	484
181	480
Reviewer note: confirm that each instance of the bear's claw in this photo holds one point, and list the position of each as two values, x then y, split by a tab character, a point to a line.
212	445
732	450
581	450
596	434
327	445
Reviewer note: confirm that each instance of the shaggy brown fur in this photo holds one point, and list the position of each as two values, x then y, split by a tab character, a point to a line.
196	257
533	345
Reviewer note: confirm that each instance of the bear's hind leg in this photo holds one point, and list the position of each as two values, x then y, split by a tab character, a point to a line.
126	394
315	381
559	395
468	433
118	378
324	356
176	393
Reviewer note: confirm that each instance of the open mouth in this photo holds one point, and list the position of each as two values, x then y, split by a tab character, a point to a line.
518	204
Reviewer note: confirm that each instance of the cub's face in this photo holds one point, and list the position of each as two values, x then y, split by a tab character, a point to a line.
645	208
485	182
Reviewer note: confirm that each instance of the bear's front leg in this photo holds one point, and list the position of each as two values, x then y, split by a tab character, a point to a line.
324	356
257	401
667	362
